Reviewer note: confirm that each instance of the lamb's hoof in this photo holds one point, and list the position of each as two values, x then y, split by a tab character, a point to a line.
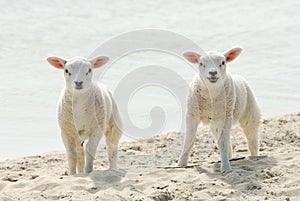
88	171
225	172
225	167
112	168
182	164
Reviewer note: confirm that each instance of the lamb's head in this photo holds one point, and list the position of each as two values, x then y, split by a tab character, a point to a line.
78	70
212	65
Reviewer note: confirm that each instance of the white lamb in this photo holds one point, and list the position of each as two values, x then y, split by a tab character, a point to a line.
220	99
86	112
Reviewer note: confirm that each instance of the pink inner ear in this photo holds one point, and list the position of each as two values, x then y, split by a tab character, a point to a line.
191	57
231	56
98	62
55	62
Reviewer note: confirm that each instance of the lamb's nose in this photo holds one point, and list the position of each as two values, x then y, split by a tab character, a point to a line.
213	73
78	84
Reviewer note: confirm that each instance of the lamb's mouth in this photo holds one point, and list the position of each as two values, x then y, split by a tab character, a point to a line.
78	88
213	79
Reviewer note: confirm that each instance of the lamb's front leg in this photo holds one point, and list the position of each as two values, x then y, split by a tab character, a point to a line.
221	131
90	150
223	144
191	128
70	146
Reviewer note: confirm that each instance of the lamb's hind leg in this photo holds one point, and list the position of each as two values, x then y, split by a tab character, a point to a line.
250	126
90	150
80	156
112	140
229	145
230	150
222	136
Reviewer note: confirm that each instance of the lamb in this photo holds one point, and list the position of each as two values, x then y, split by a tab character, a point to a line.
220	99
86	112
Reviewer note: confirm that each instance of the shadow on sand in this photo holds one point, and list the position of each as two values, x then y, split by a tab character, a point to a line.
247	174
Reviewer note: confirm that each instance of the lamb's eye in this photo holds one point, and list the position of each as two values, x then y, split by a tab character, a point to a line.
66	71
201	64
223	62
90	70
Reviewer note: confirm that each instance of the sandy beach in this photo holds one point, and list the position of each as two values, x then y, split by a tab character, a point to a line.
147	170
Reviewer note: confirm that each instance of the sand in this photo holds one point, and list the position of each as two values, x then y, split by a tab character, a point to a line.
147	170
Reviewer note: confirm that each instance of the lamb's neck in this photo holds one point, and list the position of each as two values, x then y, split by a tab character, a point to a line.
213	90
80	98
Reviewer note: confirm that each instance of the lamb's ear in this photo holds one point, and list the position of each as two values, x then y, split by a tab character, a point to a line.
57	62
192	57
232	53
99	61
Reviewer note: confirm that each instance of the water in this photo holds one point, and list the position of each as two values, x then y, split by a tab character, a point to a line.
32	30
